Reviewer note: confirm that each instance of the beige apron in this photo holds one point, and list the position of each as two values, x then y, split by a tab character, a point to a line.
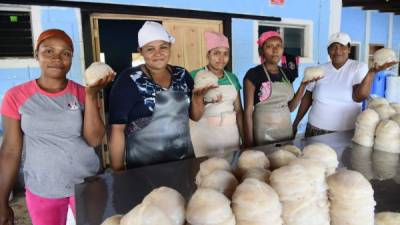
216	133
271	118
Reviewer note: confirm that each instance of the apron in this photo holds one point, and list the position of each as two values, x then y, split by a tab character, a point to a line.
216	133
166	137
271	118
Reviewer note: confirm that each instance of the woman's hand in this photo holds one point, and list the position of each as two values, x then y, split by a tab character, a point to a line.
197	104
93	124
198	93
215	99
94	88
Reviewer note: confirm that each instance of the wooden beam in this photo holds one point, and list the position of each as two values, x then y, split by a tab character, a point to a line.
381	8
370	3
395	11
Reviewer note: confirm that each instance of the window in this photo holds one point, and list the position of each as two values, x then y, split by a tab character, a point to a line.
354	51
293	38
15	34
296	34
372	49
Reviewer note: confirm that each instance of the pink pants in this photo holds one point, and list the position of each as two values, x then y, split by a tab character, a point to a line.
48	211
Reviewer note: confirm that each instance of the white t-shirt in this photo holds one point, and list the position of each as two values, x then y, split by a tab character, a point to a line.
333	107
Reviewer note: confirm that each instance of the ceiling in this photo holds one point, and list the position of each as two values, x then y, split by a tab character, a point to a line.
381	5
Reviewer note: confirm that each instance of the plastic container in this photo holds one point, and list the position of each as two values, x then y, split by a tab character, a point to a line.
379	85
392	90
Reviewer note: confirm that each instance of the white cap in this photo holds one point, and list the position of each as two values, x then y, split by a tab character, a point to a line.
153	31
341	38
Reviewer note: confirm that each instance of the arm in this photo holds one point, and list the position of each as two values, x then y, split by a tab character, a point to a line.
239	115
361	91
297	97
249	91
116	145
305	104
197	103
299	94
10	157
93	126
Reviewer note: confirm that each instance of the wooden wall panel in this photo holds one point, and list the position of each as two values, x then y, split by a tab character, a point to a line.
189	49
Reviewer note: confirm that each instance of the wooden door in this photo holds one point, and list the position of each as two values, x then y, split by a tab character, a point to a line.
189	50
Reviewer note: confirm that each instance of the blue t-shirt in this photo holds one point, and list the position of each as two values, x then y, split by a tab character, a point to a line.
132	96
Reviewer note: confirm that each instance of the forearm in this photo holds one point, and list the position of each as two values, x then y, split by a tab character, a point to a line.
117	149
9	166
10	157
239	122
305	105
196	108
297	97
362	90
93	126
248	128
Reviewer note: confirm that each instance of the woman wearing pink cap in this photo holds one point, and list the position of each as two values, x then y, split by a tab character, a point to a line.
269	95
219	130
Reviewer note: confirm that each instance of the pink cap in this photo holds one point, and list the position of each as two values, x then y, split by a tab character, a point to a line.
215	40
267	35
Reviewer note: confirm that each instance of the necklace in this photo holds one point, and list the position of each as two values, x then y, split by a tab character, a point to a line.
152	78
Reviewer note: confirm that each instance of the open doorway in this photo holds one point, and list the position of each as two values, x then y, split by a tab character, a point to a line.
119	42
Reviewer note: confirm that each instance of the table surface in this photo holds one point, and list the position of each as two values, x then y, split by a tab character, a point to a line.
116	193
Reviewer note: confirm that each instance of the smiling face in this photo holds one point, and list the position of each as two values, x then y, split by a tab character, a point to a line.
156	54
339	54
272	50
55	58
218	58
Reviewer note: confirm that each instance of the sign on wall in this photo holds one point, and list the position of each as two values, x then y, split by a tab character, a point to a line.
277	2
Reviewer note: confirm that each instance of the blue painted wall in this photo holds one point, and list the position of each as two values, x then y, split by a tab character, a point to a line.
396	34
317	11
66	19
253	7
379	28
354	23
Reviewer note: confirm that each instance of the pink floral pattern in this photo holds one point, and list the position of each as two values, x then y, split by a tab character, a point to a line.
265	91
